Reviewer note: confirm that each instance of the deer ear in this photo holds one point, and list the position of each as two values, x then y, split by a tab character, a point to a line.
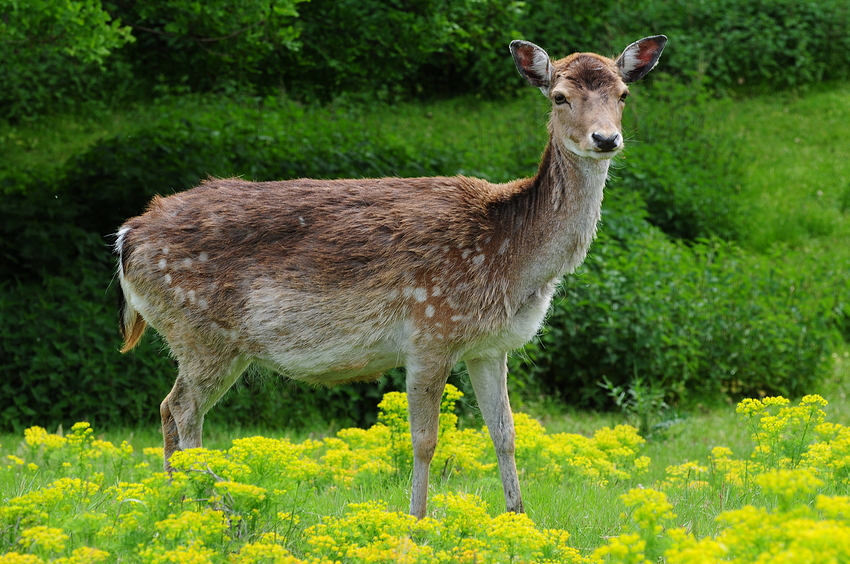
640	57
533	64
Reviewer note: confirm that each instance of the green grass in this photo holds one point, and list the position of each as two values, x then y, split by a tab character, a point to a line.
796	189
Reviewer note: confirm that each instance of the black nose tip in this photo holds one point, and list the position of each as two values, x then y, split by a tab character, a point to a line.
606	143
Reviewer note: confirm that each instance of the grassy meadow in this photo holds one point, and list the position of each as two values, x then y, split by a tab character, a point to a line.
595	491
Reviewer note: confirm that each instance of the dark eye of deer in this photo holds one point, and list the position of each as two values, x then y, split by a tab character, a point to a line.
560	99
624	96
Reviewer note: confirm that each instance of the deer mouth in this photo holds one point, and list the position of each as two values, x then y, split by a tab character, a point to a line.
593	151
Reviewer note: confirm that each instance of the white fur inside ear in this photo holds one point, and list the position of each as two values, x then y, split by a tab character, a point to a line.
629	60
542	67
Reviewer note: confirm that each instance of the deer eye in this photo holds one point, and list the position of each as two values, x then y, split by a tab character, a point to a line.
560	99
624	96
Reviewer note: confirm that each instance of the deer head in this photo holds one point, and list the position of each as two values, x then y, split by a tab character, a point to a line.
588	92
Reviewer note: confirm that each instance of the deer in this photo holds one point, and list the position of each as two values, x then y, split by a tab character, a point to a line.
334	281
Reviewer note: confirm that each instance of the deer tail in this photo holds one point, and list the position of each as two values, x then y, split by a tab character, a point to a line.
131	323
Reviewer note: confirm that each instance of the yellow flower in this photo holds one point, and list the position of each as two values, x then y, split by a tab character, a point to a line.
15	460
208	526
651	508
39	437
788	483
625	549
16	558
263	553
48	539
192	554
83	555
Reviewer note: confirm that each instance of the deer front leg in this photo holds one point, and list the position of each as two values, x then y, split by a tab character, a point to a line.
489	378
424	391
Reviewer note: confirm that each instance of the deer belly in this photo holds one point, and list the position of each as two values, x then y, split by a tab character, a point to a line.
333	362
522	326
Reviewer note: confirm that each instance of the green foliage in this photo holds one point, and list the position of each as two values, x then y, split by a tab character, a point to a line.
569	26
59	54
212	44
686	318
774	43
58	354
402	49
54	50
686	173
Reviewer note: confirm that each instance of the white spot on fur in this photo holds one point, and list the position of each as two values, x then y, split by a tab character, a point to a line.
202	303
187	263
420	294
162	264
179	295
429	311
165	250
203	257
459	318
301	221
436	291
465	253
504	246
478	259
167	278
191	295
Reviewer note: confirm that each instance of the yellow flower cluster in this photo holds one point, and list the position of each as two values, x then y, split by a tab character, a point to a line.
785	437
240	505
795	456
461	532
611	454
88	501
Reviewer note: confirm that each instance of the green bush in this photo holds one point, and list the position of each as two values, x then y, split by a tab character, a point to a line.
212	45
569	26
700	321
772	43
687	174
58	354
385	50
55	52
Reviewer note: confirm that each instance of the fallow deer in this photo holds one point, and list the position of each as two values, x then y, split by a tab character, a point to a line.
331	281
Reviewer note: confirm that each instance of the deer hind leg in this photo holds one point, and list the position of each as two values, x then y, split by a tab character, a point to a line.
425	387
201	381
489	380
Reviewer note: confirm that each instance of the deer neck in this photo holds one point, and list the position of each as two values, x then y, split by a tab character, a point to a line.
562	210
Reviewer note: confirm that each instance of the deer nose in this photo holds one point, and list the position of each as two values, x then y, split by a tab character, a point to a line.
606	143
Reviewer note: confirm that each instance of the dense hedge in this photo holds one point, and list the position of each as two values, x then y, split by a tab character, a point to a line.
701	322
57	53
